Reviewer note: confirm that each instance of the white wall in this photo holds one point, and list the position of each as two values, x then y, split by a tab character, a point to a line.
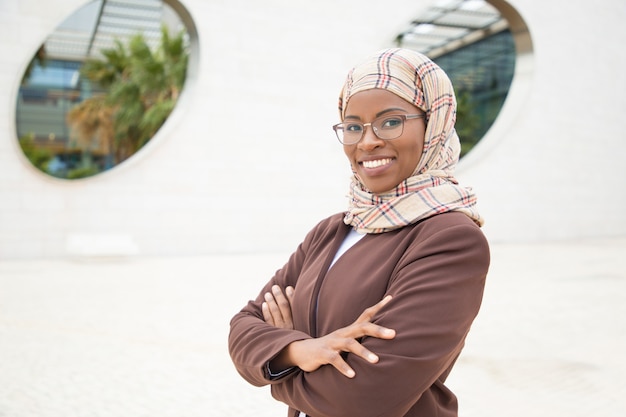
247	162
553	166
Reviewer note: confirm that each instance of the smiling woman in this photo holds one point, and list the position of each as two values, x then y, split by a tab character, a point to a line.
100	86
369	314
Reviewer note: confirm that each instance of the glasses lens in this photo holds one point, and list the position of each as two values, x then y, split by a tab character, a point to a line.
389	127
349	133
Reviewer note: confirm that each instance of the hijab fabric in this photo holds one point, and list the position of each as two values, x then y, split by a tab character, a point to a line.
432	188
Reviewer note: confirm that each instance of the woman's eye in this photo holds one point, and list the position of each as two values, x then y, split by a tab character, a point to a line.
391	123
353	128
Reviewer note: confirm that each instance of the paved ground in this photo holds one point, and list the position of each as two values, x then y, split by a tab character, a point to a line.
147	337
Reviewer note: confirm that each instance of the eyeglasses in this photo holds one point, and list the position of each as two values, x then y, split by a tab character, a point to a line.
385	128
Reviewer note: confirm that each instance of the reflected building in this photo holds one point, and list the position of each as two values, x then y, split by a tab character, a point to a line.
250	141
473	44
52	84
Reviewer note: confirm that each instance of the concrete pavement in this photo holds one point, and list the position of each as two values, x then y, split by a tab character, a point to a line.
147	337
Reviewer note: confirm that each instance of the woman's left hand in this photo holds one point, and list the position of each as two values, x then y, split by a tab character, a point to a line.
277	307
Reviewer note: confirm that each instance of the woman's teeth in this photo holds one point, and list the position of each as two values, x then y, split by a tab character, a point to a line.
377	163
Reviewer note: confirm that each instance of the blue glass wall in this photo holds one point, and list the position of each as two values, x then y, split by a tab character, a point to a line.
481	74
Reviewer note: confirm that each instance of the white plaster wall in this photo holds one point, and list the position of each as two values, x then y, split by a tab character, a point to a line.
553	166
224	175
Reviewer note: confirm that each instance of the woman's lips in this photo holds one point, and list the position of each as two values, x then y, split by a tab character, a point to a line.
376	163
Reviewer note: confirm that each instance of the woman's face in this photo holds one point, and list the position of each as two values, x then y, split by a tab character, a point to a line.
383	164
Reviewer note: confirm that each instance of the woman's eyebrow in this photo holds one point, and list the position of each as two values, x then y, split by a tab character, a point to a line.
390	110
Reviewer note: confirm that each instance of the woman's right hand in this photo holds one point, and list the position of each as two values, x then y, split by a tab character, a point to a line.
310	354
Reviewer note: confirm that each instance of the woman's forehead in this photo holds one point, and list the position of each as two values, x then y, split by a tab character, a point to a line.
376	100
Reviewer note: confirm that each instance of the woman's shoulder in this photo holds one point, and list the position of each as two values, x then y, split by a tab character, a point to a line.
449	219
329	225
453	235
324	233
330	222
450	226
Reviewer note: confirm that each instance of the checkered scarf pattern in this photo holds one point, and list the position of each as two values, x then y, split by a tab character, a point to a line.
432	188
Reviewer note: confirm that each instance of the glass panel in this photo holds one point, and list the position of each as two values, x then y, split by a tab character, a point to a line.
479	63
481	73
82	104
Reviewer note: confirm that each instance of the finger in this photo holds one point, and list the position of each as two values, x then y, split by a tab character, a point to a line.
274	310
359	330
284	305
370	312
267	316
356	348
375	330
281	299
289	291
342	366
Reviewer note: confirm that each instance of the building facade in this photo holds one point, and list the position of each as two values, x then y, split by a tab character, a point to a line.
247	161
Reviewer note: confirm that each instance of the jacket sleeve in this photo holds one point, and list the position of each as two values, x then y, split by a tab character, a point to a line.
437	290
252	343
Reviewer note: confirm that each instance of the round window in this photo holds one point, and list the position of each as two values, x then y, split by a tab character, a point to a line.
473	42
101	85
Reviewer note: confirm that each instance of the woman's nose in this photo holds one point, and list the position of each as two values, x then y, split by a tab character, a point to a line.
369	140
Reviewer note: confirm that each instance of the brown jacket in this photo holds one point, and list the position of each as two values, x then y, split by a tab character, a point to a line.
435	270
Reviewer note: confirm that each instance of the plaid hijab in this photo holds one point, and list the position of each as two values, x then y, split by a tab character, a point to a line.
432	188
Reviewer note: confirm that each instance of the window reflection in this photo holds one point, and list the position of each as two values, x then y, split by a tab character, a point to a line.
100	86
471	41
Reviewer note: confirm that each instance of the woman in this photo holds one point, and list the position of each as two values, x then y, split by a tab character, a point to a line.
371	311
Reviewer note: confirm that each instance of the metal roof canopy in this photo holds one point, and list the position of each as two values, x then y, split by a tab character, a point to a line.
451	24
98	24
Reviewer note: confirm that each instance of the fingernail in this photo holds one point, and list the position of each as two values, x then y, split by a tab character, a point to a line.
268	296
350	373
289	290
372	358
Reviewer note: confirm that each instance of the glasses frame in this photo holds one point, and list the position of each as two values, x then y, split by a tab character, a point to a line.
404	118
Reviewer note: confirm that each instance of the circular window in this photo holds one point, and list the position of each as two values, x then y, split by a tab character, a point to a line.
472	41
101	85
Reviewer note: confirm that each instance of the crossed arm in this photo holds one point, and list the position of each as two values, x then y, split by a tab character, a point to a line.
310	354
437	287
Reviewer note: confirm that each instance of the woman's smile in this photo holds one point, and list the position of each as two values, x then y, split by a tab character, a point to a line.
376	163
